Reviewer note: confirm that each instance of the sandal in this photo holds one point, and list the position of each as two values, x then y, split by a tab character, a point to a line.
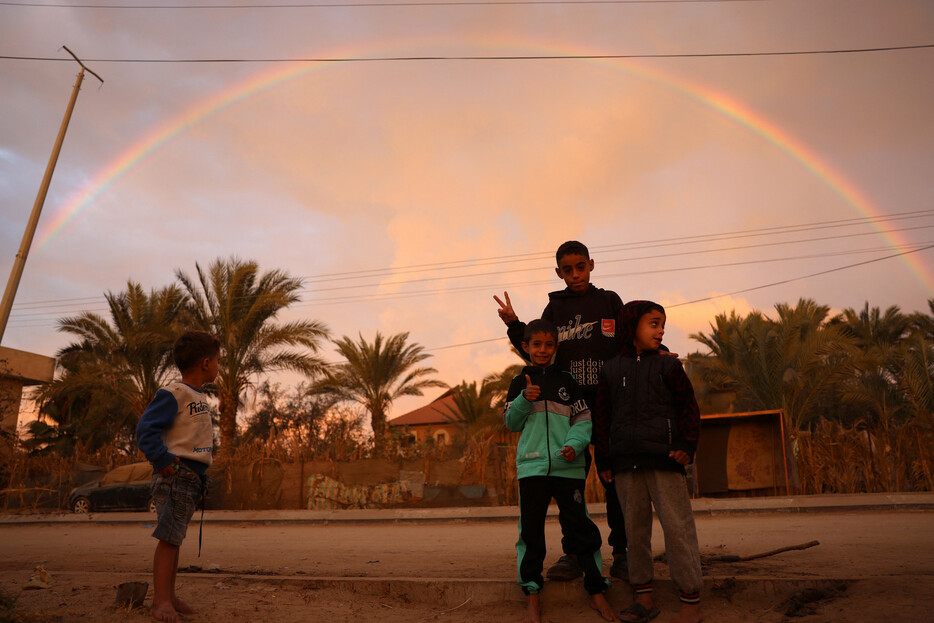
641	614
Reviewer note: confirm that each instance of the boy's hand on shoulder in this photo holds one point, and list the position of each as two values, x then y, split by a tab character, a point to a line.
531	392
680	456
505	310
568	453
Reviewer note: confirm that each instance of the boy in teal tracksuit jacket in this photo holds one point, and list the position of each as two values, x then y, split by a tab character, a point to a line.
544	402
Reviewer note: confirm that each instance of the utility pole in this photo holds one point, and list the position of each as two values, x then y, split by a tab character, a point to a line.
20	262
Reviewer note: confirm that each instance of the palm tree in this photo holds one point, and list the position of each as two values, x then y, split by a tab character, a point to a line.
880	340
918	377
872	328
498	383
377	374
109	376
737	360
916	381
473	408
792	363
480	409
239	305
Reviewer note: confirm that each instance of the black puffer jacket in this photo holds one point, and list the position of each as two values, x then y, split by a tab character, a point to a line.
645	407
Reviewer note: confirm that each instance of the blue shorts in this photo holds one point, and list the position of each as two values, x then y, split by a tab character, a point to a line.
176	498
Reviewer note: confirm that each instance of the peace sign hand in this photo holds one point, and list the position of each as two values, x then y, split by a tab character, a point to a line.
531	392
505	310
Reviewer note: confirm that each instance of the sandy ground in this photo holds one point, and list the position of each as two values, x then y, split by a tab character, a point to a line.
869	566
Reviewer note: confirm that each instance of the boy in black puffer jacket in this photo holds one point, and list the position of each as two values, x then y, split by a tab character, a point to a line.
646	425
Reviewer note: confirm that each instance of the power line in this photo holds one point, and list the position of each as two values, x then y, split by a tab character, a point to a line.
716	296
44	320
502	259
677	269
660	242
542	255
523	57
40	308
701	300
629	246
625	259
22	309
802	277
340	5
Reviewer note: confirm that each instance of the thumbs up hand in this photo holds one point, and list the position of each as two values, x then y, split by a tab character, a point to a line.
531	392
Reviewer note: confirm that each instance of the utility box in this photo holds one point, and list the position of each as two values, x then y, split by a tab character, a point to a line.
744	454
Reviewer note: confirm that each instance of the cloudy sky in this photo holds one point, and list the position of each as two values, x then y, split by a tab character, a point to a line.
429	156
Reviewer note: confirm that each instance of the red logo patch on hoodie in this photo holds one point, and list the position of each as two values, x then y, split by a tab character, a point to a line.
608	326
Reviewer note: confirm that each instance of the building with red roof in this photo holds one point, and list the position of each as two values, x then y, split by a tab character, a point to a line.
440	420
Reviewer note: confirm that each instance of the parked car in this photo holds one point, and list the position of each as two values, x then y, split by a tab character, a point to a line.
124	488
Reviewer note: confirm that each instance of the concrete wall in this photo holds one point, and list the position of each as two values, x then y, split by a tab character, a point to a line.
271	484
17	369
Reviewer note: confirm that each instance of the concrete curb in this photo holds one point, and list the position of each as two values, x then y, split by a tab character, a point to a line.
702	506
456	592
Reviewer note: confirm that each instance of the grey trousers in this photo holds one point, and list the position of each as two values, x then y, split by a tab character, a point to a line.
638	491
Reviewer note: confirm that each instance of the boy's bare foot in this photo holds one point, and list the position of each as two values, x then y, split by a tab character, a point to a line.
599	603
164	611
689	613
533	613
181	607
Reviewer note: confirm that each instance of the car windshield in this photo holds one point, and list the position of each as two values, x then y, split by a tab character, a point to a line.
128	473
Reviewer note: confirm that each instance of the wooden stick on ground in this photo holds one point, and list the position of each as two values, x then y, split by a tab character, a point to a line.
732	558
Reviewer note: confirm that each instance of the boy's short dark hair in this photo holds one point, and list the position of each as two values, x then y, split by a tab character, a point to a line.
569	247
539	326
193	346
650	306
632	312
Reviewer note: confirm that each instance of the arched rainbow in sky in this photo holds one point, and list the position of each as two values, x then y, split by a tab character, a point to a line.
138	153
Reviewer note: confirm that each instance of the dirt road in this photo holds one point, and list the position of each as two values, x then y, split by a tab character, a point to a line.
869	566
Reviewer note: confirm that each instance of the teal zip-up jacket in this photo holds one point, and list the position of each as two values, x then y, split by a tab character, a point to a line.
558	418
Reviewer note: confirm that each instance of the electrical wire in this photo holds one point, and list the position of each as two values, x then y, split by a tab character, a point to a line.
20	308
626	246
22	320
520	57
319	5
79	304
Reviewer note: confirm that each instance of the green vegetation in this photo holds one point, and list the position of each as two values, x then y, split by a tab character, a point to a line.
378	373
864	369
857	387
110	374
236	303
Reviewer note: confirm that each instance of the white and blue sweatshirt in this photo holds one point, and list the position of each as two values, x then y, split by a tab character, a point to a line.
177	423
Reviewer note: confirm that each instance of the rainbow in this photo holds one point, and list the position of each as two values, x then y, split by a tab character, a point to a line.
736	112
144	148
794	148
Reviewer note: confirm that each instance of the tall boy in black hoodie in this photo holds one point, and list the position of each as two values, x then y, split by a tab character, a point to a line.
646	425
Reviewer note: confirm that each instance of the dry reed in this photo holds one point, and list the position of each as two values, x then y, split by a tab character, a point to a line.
834	459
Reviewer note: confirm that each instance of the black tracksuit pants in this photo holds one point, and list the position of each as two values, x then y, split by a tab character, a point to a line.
614	514
614	511
581	536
